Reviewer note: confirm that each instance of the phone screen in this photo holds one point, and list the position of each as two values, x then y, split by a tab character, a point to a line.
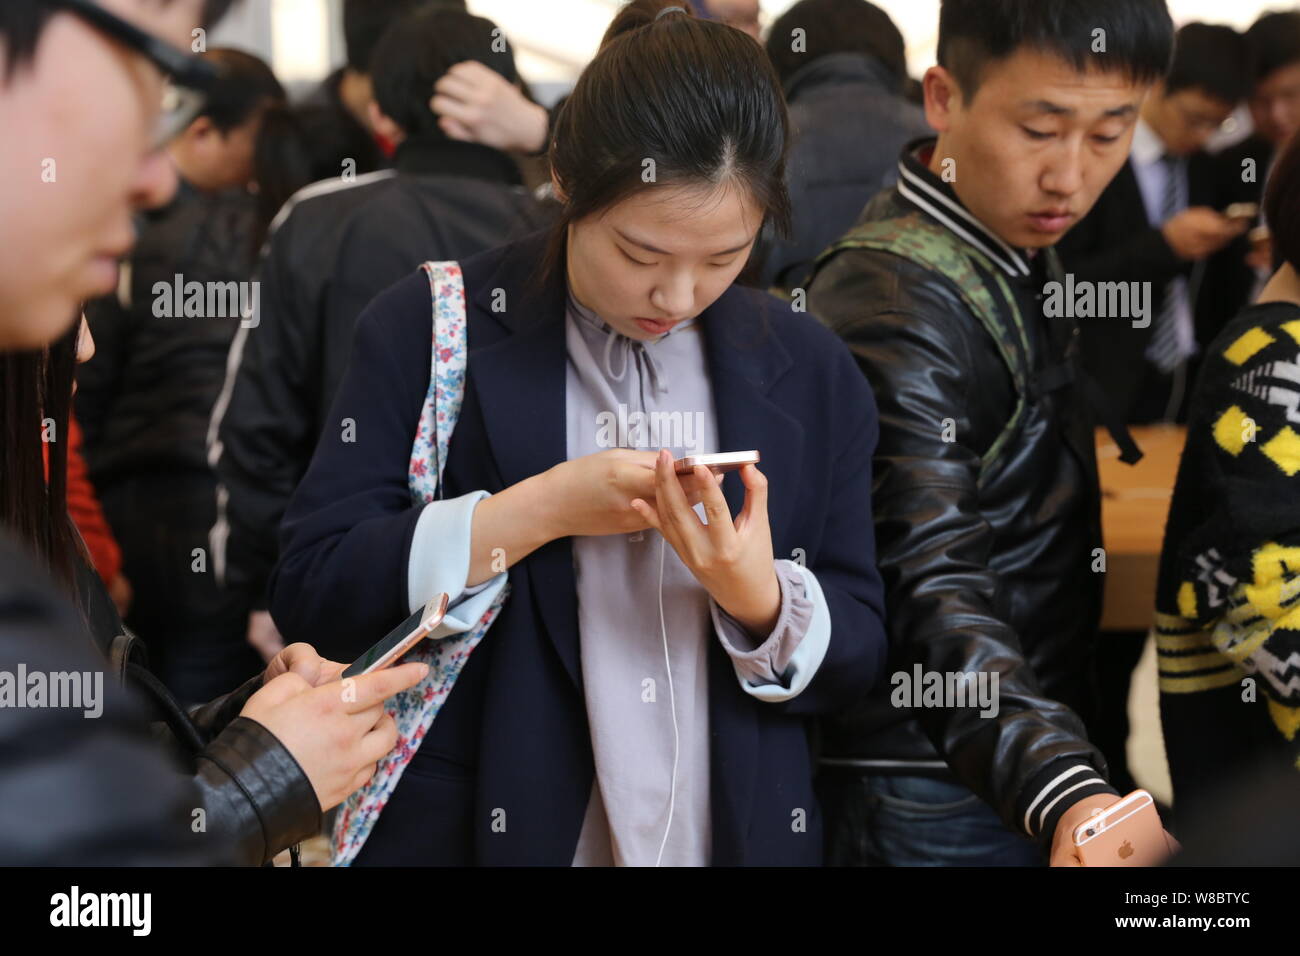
390	640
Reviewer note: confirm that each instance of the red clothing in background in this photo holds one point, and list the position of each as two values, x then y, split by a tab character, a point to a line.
83	506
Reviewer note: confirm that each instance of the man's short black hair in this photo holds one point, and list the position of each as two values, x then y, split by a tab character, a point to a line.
245	85
364	22
1212	59
22	22
418	49
1133	37
836	26
1274	42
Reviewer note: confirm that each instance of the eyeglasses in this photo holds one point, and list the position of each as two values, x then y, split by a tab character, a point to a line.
188	78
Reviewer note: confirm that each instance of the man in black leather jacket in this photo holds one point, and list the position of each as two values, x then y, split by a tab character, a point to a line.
99	791
96	786
988	543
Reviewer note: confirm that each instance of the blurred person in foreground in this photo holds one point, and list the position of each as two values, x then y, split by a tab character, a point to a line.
144	400
83	82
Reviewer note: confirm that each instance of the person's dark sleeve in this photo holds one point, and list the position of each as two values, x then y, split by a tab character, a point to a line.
341	581
214	716
254	792
1032	760
86	513
99	380
263	422
91	786
257	798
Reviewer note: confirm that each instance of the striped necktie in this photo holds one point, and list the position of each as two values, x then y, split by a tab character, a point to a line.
1166	350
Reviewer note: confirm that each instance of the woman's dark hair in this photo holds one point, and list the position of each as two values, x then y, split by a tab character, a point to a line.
693	101
1212	59
1274	41
1136	36
245	85
418	49
36	397
636	14
1282	205
835	26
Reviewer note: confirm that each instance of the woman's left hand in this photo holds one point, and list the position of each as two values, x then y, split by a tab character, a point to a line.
733	560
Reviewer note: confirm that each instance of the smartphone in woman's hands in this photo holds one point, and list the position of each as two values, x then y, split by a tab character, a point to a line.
719	463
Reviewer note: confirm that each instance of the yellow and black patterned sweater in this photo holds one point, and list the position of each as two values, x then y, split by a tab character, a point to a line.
1228	599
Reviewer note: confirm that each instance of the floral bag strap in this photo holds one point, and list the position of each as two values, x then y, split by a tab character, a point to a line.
414	710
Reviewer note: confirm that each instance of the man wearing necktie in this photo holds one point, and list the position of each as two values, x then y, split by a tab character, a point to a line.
1159	221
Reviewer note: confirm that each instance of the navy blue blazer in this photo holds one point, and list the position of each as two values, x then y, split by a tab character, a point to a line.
505	772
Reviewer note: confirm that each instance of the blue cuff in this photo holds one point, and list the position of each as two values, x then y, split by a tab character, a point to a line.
439	561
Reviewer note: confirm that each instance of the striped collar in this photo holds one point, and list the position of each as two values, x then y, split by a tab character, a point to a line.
936	198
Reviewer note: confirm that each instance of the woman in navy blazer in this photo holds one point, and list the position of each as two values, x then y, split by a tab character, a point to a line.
505	773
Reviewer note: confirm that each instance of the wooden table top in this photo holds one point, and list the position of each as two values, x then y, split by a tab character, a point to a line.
1134	508
1135	498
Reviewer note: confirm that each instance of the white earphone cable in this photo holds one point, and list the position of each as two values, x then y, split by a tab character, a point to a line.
672	702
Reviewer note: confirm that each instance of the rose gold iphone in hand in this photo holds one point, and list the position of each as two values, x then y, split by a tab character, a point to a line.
1126	833
720	463
399	640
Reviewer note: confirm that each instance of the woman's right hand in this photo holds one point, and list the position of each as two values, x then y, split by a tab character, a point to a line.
592	495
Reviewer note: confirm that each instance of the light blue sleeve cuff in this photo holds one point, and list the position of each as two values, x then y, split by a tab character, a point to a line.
439	561
811	646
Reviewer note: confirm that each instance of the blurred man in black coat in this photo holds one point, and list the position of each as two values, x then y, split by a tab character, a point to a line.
843	77
1274	43
1159	222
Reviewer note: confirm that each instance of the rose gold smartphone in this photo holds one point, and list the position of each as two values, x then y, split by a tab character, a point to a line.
726	461
401	638
1126	833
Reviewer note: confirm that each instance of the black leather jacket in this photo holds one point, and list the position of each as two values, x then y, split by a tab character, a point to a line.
79	788
989	572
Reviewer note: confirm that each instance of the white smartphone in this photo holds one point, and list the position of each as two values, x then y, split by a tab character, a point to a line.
401	638
723	462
